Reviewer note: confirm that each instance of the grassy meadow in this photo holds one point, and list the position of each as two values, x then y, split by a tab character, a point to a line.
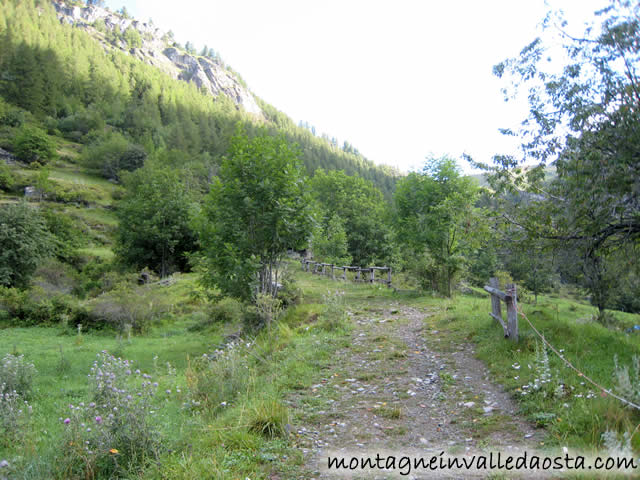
228	416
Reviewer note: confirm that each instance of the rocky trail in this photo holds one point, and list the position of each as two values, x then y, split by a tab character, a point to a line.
394	390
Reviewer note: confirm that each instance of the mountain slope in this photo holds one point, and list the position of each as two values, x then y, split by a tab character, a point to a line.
124	40
155	47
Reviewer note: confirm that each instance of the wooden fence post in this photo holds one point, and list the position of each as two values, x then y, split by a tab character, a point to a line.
512	311
496	307
319	268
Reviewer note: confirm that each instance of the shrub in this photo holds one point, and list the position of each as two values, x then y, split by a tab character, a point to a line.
114	432
113	154
16	380
268	308
24	241
137	307
37	307
504	278
16	374
227	310
334	314
289	294
12	116
77	125
33	145
7	179
15	413
215	380
426	271
627	379
54	277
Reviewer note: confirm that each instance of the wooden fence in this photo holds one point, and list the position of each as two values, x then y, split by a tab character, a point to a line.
510	298
366	274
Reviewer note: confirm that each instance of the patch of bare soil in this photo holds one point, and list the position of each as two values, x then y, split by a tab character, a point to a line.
393	391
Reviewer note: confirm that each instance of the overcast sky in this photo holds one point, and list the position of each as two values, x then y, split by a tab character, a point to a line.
399	80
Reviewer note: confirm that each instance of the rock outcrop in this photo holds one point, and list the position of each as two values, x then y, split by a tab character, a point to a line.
159	51
7	157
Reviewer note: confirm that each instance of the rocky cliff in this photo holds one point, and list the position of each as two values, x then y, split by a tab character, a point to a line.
156	48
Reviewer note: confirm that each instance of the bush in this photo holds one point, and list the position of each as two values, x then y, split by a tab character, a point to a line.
37	307
227	310
16	375
334	315
627	379
42	308
24	241
15	413
217	379
54	277
289	294
130	307
114	154
504	278
268	308
33	145
77	125
12	116
114	432
7	179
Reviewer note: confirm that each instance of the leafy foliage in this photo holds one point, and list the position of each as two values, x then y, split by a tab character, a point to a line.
113	154
33	145
330	244
154	229
24	241
256	210
435	211
361	208
584	121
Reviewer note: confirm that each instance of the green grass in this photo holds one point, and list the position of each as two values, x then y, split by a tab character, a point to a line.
103	253
244	431
247	437
72	175
572	418
94	216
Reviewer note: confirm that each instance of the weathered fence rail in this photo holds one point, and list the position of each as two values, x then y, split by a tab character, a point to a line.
510	299
362	274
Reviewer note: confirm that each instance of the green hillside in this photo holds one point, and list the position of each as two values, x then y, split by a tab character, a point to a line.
82	88
155	321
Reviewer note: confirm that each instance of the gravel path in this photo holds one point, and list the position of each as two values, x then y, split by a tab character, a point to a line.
393	390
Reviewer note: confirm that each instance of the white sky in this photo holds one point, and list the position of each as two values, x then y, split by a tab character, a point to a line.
399	80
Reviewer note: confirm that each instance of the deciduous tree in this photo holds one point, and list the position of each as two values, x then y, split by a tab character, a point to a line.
584	120
154	229
257	208
436	212
24	241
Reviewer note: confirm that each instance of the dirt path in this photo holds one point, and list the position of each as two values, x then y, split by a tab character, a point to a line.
393	390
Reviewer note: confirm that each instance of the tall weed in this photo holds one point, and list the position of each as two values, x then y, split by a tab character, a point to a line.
114	433
215	380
